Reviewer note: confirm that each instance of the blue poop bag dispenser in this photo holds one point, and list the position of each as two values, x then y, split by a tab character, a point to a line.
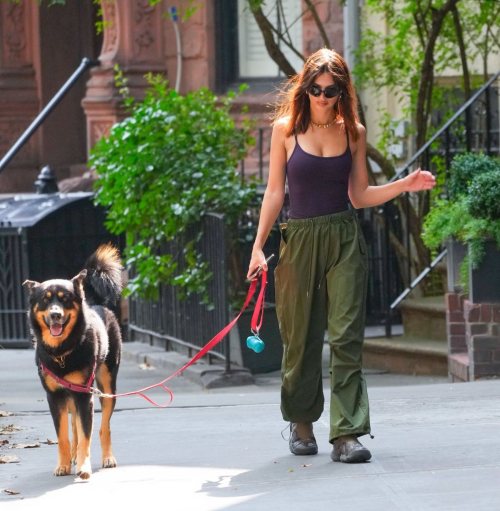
254	342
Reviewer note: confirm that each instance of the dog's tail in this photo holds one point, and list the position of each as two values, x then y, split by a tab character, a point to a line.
103	283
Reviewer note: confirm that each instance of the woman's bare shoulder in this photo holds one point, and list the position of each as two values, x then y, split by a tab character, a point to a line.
360	129
282	123
280	128
361	136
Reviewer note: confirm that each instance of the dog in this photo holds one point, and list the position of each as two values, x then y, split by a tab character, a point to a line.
76	333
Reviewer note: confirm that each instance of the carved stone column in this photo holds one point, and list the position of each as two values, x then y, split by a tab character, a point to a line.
133	39
19	99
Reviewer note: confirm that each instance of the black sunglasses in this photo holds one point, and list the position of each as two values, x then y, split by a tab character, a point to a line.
330	92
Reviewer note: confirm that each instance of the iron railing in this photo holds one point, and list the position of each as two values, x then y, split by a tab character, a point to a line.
473	128
170	321
14	330
85	64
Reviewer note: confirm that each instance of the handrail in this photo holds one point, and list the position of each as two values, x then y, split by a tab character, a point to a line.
85	64
415	282
444	128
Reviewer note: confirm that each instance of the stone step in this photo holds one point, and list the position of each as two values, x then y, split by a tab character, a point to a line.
459	367
407	355
424	317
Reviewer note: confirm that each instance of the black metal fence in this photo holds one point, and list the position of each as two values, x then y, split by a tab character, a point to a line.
170	320
13	319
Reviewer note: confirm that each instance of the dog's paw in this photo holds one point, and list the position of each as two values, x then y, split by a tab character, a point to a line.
84	472
73	459
62	470
109	462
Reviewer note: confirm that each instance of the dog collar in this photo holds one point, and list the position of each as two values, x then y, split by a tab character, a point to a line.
61	359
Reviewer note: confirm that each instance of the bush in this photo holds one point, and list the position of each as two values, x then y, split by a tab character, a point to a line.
464	168
474	212
484	195
161	169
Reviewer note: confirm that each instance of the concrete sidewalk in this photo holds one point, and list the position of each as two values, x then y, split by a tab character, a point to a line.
436	447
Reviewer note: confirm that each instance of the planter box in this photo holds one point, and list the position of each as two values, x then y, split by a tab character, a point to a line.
484	283
270	358
456	254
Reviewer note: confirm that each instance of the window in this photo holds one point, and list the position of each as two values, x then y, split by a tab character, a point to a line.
241	51
254	60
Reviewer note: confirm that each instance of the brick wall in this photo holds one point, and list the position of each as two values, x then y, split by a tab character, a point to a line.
473	331
455	323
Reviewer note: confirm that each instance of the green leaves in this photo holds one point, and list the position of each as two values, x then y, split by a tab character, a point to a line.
464	168
484	195
473	213
160	170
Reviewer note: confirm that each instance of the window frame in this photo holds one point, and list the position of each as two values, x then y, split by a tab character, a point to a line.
227	63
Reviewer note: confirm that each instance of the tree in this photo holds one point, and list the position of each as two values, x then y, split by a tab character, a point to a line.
426	37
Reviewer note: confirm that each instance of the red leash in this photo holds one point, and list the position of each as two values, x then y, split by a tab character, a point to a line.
259	310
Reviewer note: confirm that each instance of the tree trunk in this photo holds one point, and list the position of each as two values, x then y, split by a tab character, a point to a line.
272	47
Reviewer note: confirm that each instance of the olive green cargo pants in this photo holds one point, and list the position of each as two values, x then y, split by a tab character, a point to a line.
321	282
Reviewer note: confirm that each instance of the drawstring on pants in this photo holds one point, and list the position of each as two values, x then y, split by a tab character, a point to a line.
310	221
310	257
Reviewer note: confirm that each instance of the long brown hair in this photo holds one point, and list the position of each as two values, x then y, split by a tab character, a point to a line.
293	100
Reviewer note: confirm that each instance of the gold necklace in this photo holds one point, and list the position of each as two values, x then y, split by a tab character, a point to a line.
322	125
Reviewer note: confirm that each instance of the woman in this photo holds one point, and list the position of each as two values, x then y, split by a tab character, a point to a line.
321	274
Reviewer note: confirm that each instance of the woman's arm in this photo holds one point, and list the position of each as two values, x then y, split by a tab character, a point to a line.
273	197
364	196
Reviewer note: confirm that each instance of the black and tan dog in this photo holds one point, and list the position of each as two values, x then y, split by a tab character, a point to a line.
74	326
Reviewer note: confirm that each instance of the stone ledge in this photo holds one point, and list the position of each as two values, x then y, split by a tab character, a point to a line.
208	376
436	304
407	356
459	367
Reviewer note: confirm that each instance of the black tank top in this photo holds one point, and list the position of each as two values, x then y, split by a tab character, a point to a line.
317	185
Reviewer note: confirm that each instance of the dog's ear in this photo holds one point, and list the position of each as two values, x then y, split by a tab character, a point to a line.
77	282
32	284
80	276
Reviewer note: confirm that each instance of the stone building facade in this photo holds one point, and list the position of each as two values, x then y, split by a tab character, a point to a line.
41	46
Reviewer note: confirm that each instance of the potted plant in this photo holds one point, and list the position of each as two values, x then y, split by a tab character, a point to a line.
270	359
471	216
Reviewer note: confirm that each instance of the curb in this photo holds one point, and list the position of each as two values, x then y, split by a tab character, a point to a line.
208	376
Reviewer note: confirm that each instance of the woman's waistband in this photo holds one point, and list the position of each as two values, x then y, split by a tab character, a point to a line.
323	219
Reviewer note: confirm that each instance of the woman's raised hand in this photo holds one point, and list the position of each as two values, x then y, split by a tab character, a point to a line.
419	180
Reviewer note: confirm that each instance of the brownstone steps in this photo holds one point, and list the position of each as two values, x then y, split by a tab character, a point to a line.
422	349
424	317
407	355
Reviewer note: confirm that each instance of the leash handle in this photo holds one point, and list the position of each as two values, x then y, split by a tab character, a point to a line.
259	306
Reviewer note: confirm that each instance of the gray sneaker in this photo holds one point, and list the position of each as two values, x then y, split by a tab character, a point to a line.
349	451
301	446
